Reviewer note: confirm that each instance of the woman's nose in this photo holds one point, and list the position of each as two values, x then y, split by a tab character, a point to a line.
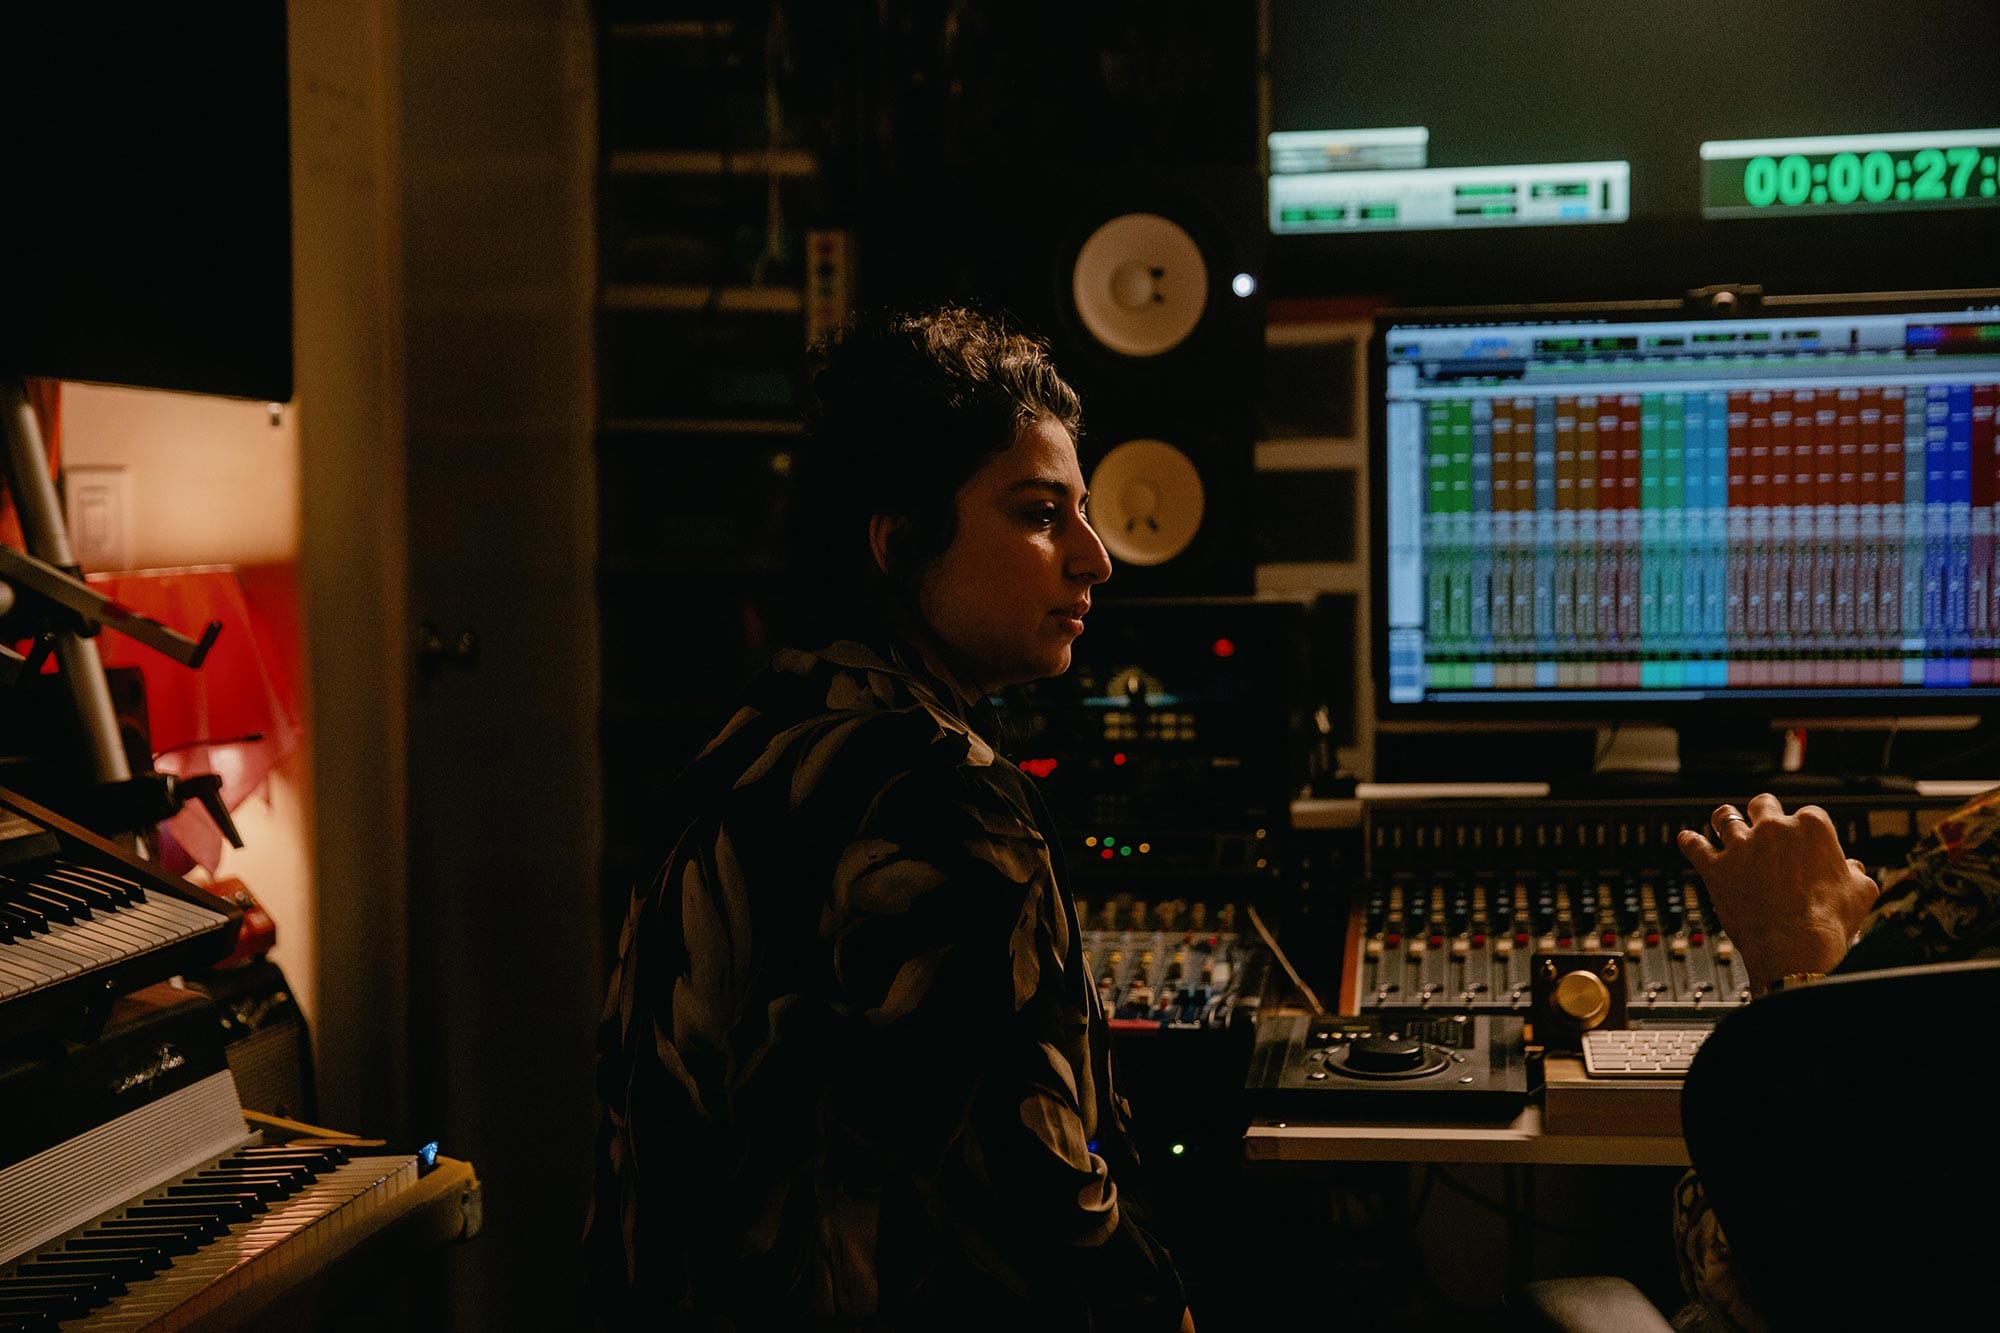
1093	563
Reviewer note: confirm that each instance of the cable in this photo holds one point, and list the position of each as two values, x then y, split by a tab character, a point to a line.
1271	943
1610	739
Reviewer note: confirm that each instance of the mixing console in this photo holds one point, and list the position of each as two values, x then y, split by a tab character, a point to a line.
1460	895
1170	965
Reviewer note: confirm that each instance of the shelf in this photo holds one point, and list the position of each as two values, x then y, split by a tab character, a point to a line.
728	300
1311	455
1306	577
696	162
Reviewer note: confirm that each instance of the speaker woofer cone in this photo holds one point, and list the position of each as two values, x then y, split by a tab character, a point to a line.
1147	502
1140	284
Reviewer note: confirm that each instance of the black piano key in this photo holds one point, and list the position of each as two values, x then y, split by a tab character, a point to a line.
264	1187
163	1245
284	1175
131	888
53	906
204	1227
226	1209
122	1265
326	1155
270	1189
97	895
29	1323
43	1283
56	1303
215	1194
26	920
95	1268
69	899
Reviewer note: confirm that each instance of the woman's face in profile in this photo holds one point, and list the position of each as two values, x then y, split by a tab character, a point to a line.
1009	595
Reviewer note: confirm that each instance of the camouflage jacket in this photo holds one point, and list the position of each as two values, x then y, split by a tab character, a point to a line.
1942	906
853	1074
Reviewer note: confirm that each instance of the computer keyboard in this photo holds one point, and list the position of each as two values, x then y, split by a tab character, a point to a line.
1641	1052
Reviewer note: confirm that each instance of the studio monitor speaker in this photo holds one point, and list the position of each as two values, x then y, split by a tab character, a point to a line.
1147	285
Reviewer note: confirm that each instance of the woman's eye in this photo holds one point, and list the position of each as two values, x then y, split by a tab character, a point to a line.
1043	517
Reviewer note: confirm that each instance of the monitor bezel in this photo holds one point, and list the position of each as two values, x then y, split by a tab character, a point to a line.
1742	302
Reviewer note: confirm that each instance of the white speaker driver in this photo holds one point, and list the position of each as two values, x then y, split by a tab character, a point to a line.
1146	502
1140	284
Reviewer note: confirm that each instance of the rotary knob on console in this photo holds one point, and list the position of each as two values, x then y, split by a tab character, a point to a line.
1583	997
1574	993
1385	1053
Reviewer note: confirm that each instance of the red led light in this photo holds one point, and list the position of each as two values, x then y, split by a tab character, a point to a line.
1106	853
1041	768
1119	759
1224	648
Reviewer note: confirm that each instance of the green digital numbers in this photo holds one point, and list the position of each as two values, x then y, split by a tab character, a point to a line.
1850	173
1930	164
1794	179
1878	177
1962	160
1760	181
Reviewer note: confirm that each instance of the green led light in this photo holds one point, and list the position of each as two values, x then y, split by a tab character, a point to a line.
1124	851
1111	842
1179	1148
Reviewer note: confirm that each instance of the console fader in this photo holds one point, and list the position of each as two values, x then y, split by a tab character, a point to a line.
1170	965
1461	894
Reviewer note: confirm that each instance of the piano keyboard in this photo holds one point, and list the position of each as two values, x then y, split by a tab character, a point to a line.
81	920
136	1192
184	1251
67	919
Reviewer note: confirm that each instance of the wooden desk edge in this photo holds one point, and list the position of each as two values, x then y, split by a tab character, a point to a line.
1520	1141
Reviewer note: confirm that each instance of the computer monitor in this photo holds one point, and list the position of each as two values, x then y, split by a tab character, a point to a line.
1434	151
1654	511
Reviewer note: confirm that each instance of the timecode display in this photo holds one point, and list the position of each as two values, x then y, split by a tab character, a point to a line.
1851	174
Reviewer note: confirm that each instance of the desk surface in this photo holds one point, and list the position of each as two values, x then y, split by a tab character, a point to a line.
1521	1141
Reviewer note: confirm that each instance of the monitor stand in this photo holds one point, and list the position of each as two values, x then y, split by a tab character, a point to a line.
1730	760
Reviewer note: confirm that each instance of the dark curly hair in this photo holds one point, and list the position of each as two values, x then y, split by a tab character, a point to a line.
904	408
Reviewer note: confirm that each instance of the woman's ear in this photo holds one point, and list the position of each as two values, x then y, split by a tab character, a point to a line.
882	529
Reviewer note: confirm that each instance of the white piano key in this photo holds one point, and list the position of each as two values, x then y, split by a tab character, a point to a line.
295	1238
54	963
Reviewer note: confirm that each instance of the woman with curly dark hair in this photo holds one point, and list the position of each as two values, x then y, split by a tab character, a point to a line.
854	1074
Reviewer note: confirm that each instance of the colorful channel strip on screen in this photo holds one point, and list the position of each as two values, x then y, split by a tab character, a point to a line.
1811	537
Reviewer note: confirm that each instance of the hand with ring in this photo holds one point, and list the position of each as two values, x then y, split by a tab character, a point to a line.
1786	892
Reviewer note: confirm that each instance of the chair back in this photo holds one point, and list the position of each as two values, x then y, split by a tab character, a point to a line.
1848	1136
